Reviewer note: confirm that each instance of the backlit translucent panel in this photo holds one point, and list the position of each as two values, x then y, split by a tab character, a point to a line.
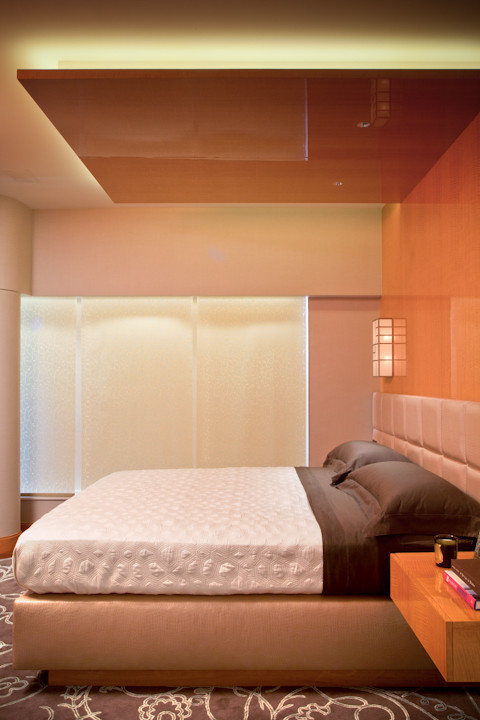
47	444
251	381
136	384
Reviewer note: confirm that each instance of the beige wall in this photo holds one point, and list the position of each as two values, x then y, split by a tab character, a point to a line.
340	372
16	222
15	270
209	250
319	251
251	250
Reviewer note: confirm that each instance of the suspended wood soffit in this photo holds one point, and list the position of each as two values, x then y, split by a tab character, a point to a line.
156	136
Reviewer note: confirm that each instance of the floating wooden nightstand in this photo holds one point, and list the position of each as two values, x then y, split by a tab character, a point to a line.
447	627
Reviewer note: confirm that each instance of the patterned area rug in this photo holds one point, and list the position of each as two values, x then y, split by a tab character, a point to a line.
25	696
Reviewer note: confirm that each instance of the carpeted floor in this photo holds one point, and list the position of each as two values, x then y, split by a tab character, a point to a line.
24	695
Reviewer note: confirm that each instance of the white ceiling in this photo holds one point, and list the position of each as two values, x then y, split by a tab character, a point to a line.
37	166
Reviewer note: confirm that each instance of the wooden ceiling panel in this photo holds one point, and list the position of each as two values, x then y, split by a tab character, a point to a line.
257	136
184	117
136	180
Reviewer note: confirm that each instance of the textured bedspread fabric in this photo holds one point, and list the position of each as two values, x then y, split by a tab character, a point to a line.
204	531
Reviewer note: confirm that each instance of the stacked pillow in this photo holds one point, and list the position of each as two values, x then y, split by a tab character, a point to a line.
401	497
354	454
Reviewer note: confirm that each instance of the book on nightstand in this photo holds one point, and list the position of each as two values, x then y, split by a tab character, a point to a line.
461	587
468	570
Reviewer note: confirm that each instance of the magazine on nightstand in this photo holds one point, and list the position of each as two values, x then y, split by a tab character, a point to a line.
462	589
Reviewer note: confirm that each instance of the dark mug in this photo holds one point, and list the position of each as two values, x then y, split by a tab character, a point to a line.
446	547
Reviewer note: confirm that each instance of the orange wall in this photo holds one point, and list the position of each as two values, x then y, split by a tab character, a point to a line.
431	275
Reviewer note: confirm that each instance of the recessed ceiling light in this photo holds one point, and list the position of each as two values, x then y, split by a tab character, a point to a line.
363	124
338	183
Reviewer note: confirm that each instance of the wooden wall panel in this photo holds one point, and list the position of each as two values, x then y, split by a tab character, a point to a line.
465	329
431	275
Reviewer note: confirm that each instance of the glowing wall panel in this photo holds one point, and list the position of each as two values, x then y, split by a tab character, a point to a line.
251	407
136	384
126	383
47	440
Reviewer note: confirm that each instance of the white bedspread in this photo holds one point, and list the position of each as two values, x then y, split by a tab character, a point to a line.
191	531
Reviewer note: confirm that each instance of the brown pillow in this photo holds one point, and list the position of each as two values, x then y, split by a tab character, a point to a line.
412	500
354	454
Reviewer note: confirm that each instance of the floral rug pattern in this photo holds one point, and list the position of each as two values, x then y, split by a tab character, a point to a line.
24	695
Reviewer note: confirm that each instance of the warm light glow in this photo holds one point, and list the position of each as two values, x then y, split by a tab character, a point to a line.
238	51
132	382
389	347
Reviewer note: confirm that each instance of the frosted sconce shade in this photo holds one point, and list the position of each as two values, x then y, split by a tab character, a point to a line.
389	347
380	102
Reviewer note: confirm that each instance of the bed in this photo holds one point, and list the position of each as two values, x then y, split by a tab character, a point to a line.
300	595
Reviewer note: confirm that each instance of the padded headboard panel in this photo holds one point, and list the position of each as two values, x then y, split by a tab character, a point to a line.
441	435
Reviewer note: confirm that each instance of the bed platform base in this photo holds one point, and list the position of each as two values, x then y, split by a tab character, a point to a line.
211	640
247	678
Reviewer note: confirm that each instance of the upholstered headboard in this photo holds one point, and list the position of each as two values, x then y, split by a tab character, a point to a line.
441	435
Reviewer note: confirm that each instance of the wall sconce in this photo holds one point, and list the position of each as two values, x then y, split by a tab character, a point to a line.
389	347
380	102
